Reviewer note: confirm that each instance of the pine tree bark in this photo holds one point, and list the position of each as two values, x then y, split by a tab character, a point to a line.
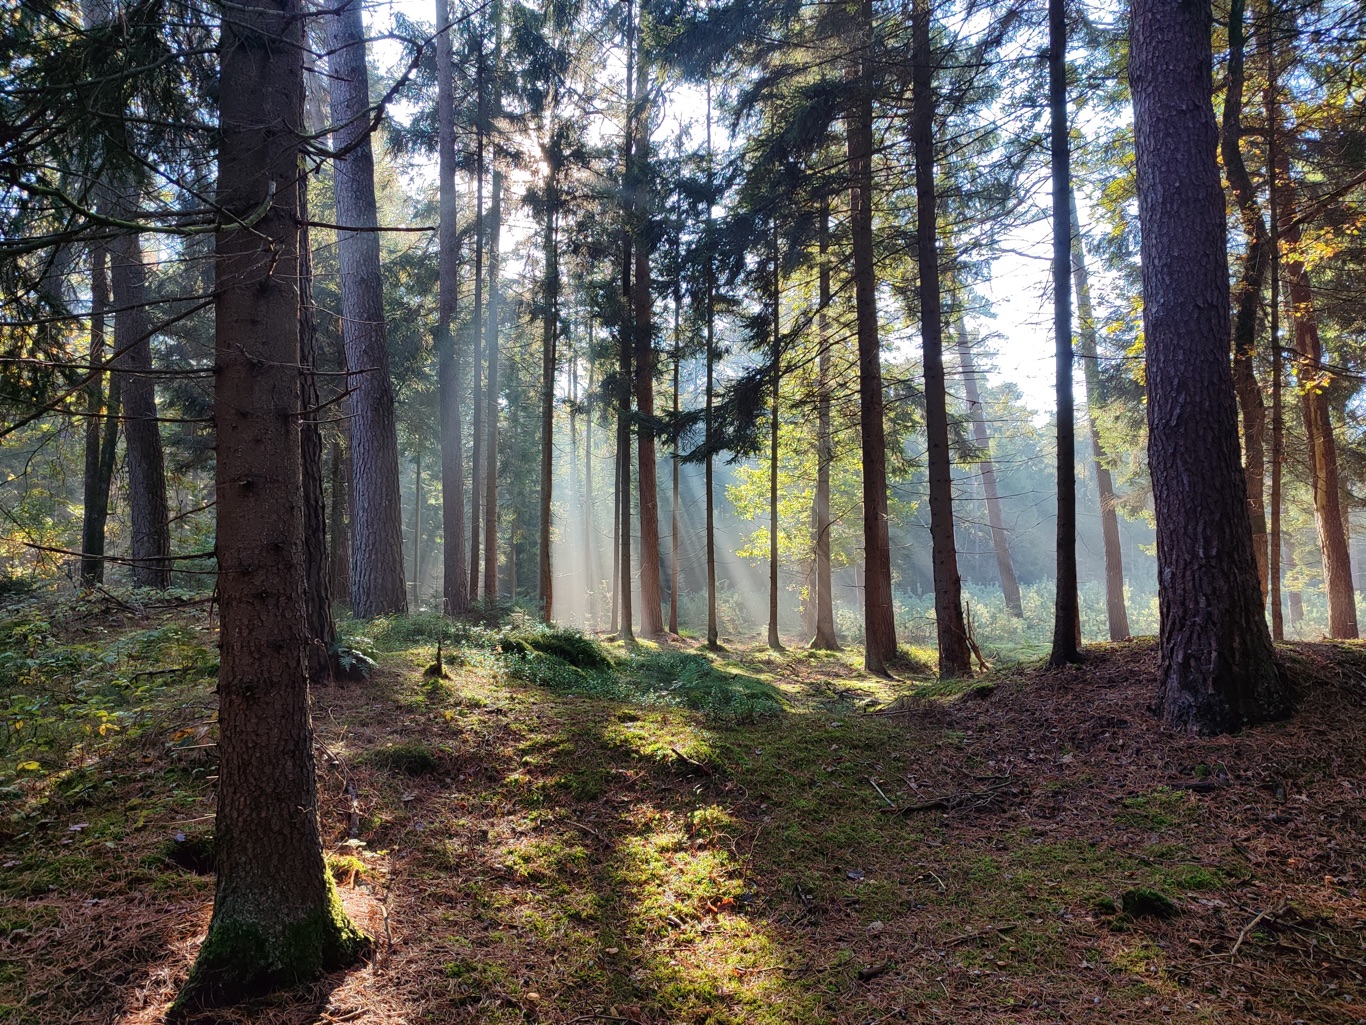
955	659
377	584
277	919
101	429
1247	298
878	614
825	638
1116	610
1314	378
1218	670
450	385
1005	565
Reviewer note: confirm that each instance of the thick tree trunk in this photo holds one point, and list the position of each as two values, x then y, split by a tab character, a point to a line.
825	638
277	919
101	429
1116	610
1067	606
1218	669
377	585
454	586
1314	379
1273	571
955	659
878	614
1005	565
322	632
1248	296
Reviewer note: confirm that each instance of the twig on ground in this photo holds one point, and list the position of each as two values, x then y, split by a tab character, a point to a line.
1247	929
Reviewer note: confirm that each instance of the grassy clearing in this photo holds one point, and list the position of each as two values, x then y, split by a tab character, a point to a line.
658	835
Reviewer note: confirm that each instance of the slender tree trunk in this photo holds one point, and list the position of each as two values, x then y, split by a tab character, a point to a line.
825	639
417	531
713	630
477	322
615	621
322	631
878	614
673	506
1005	565
1218	669
1314	379
551	327
495	228
277	919
1116	611
590	550
377	585
101	429
775	357
1248	296
1067	607
1271	105
339	553
954	657
455	595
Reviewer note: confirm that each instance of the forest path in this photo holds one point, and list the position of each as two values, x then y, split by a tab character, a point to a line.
1034	852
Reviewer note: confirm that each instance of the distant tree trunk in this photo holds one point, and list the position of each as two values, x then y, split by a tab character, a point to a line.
825	639
277	919
1067	606
954	657
339	553
1005	565
713	632
101	429
477	322
774	642
322	631
589	548
1218	669
1248	296
1117	613
495	228
673	506
1295	599
1314	378
615	621
377	585
550	329
417	530
651	592
455	595
878	614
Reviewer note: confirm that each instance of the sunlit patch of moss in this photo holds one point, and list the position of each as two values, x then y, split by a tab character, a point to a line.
544	859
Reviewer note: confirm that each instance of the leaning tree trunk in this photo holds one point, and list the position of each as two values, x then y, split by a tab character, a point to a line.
955	659
878	614
825	638
454	592
1005	565
377	584
322	631
1218	669
101	430
277	919
1117	614
1314	379
1248	297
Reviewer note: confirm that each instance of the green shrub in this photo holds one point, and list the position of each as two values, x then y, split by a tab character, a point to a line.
568	646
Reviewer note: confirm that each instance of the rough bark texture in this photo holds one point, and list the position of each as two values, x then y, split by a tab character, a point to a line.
1005	565
1218	668
1248	296
277	919
879	621
1116	610
825	638
101	430
322	632
1314	379
141	432
955	659
1067	605
454	585
377	584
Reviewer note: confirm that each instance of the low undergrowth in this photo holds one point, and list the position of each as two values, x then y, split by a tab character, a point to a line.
570	829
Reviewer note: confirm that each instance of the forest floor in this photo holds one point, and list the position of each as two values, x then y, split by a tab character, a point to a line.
1028	848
